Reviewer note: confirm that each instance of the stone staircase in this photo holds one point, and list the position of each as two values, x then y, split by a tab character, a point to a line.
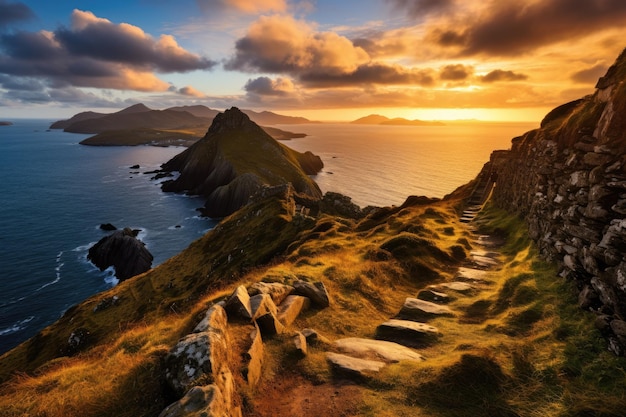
480	194
402	336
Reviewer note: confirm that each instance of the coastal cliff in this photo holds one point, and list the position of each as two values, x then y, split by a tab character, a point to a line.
567	179
293	306
234	161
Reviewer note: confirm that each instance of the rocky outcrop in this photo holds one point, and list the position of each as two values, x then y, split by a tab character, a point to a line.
235	160
123	251
568	181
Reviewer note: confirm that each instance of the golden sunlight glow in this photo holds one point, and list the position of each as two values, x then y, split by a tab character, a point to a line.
531	114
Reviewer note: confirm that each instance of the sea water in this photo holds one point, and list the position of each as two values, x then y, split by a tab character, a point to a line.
382	165
56	193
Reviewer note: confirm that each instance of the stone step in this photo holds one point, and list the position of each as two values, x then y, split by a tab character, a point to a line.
434	296
415	309
456	286
473	275
484	261
486	253
353	367
407	333
379	349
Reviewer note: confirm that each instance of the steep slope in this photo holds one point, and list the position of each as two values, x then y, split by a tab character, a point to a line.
235	160
568	181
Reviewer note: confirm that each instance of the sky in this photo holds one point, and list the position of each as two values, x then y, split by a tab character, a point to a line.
322	59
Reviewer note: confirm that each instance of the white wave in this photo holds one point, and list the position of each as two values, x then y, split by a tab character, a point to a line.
83	247
17	326
110	277
57	271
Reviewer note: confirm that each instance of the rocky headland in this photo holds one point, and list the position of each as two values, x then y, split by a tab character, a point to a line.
466	306
235	160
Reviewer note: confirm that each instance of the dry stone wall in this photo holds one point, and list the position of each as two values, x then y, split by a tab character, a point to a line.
567	179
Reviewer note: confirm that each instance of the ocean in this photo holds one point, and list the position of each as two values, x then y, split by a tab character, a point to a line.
56	193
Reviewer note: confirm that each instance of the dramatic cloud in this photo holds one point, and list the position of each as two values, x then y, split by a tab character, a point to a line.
507	28
457	72
94	52
266	86
589	75
501	75
98	38
14	12
370	74
245	6
282	44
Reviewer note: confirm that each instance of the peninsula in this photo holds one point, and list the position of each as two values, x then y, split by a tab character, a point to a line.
175	126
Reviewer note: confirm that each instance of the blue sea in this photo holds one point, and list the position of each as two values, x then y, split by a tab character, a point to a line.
56	193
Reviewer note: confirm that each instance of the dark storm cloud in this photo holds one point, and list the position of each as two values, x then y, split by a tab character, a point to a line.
501	75
14	12
369	74
95	52
263	86
457	72
103	40
419	8
508	28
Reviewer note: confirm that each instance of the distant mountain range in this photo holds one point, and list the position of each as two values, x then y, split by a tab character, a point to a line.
139	124
377	119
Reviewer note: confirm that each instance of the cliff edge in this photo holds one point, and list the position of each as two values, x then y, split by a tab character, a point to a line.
235	160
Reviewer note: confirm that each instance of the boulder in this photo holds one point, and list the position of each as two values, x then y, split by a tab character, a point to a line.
269	324
196	357
276	290
253	358
299	342
238	304
381	349
122	250
407	333
291	308
215	318
418	310
262	304
199	402
313	338
353	367
316	292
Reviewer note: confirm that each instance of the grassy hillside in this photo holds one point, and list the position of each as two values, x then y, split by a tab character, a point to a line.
519	346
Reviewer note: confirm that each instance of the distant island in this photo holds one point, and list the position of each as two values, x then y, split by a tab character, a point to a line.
175	126
5	123
377	119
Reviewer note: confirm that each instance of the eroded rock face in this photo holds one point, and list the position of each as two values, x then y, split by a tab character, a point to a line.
122	250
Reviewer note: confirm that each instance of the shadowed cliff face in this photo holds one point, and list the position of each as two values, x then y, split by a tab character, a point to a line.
236	159
568	180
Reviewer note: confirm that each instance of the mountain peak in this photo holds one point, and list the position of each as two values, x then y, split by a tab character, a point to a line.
231	119
135	108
